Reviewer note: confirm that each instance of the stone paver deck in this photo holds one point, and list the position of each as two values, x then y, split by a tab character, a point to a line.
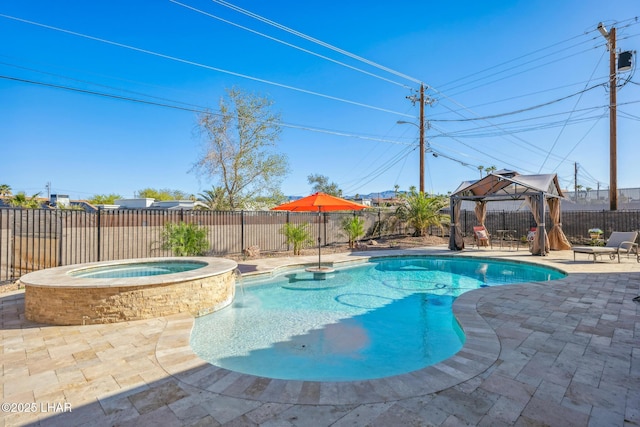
561	353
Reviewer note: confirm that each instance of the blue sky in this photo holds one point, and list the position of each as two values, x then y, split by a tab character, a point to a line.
516	84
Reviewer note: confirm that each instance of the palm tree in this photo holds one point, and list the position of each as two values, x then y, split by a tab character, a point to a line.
20	200
354	227
422	211
480	169
490	169
214	198
5	190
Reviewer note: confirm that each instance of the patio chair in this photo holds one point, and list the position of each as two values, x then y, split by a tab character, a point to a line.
619	241
481	236
531	236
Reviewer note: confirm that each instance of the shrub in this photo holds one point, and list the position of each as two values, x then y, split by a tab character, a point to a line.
354	227
185	239
421	211
297	235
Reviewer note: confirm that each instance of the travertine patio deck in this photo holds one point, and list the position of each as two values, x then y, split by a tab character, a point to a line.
562	353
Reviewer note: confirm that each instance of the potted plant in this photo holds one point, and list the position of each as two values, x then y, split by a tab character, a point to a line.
595	233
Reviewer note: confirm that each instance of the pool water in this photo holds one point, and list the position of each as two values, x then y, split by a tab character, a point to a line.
140	269
377	319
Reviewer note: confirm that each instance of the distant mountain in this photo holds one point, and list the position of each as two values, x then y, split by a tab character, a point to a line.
388	194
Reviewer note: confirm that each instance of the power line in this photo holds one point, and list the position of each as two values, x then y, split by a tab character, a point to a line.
511	98
469	133
482	152
501	79
289	44
196	109
569	116
381	169
500	65
314	40
197	64
522	110
96	84
629	21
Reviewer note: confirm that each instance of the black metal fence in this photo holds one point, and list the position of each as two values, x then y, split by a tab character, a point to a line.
575	224
33	239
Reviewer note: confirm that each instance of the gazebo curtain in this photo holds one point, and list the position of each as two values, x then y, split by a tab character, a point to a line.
456	242
537	209
557	239
481	211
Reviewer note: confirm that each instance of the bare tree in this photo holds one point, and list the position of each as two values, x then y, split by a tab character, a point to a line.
238	148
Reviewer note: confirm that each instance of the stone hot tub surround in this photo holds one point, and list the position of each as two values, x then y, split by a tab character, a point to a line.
53	296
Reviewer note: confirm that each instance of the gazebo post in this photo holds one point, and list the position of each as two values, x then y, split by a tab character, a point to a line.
542	229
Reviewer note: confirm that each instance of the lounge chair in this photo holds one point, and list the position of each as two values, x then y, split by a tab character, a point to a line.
619	241
481	236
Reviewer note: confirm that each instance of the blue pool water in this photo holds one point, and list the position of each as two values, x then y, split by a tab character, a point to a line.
139	269
382	318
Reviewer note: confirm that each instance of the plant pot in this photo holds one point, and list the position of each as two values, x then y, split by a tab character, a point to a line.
595	235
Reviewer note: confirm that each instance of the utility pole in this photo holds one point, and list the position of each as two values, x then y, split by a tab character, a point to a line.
422	138
613	149
421	99
575	179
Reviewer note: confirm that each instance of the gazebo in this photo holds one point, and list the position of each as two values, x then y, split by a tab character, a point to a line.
537	190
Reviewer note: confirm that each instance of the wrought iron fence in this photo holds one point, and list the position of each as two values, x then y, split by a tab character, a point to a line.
33	239
575	224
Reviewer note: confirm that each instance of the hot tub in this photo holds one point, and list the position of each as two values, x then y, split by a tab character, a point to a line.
126	290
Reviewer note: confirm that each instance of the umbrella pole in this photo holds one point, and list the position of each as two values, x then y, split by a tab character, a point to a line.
319	218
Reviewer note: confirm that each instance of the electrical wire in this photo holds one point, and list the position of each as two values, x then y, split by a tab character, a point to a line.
501	79
569	116
482	152
580	140
289	44
498	101
249	77
522	110
199	110
198	107
502	64
380	170
197	64
314	40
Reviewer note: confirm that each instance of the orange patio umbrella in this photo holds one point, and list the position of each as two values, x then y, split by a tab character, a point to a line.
320	202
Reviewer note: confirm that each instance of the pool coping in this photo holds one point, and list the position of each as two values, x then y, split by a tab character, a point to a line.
60	277
479	352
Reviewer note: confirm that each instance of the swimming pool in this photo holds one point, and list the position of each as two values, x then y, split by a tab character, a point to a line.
384	317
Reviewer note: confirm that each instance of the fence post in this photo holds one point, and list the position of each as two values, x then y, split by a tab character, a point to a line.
59	223
324	221
98	238
288	221
242	231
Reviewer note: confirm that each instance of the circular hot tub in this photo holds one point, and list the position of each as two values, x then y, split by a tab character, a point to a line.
125	290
